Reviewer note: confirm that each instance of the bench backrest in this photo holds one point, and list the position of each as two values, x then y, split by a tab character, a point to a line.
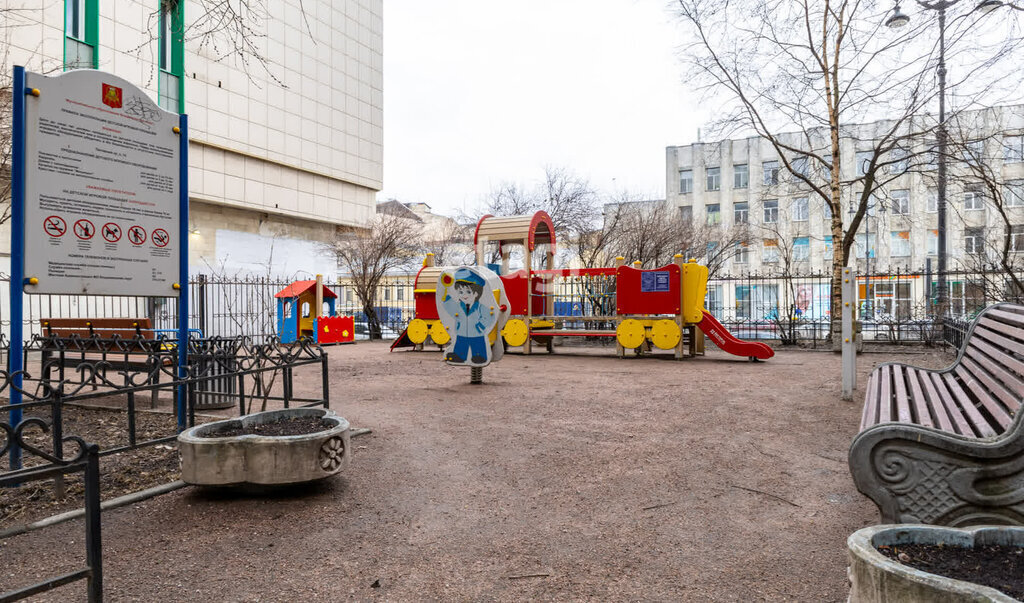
104	328
990	367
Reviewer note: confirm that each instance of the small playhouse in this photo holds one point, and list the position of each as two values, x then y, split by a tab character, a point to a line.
307	309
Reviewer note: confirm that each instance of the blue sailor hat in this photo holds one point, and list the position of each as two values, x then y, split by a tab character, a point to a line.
465	275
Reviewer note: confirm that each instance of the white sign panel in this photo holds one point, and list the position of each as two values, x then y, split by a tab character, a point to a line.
102	185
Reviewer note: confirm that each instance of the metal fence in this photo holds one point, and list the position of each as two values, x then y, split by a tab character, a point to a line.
895	306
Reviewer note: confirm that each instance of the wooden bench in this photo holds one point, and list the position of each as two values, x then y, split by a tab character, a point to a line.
126	344
947	446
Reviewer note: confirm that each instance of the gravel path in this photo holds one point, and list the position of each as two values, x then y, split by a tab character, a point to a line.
564	477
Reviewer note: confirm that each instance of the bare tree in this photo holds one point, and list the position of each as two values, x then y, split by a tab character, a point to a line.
653	232
813	69
451	243
368	255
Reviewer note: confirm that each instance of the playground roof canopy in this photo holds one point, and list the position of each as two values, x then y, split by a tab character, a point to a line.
299	287
528	230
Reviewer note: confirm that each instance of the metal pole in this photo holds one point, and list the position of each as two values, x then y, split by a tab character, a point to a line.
15	359
943	288
182	269
849	346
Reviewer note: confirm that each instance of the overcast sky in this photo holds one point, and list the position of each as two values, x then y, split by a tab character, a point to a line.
480	92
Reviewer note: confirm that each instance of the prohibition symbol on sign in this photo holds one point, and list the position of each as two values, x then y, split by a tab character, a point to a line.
137	235
111	232
160	237
84	229
55	226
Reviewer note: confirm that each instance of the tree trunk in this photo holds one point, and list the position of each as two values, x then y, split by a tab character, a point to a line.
372	322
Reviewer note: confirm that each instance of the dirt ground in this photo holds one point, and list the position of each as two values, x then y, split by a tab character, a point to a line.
562	477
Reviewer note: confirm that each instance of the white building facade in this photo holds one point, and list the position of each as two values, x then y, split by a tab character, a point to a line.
286	132
743	181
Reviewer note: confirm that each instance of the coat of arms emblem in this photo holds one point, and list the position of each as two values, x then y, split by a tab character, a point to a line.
112	96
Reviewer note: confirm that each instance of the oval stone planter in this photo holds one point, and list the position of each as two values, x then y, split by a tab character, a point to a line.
876	578
264	460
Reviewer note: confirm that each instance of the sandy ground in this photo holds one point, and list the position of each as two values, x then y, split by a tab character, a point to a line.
562	477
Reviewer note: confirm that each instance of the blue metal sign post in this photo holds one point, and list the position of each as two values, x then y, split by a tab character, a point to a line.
15	358
183	270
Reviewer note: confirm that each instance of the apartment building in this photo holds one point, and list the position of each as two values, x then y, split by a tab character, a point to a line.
744	181
285	136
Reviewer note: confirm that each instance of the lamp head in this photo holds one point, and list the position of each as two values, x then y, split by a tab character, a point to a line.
898	19
987	6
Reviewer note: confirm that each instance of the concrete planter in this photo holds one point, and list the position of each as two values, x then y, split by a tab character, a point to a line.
266	460
876	578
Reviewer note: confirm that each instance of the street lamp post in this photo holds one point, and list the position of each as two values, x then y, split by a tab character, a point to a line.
897	20
872	204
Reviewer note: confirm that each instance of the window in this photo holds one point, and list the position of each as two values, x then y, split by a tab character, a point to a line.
771	211
801	249
826	168
932	242
973	198
771	172
972	152
712	250
827	253
685	181
740	176
892	299
770	251
714	214
81	25
742	255
899	244
401	293
387	293
756	301
741	213
1017	238
864	161
899	161
826	210
800	165
686	213
872	205
171	56
714	179
974	240
1013	193
932	201
713	301
901	203
800	210
1013	149
865	246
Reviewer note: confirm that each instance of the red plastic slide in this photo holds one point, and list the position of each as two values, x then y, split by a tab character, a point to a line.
755	350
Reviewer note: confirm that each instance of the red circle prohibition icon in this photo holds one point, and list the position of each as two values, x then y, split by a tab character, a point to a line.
137	235
111	232
84	229
55	226
160	237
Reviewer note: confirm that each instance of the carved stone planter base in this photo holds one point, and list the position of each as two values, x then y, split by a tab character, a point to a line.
874	578
264	460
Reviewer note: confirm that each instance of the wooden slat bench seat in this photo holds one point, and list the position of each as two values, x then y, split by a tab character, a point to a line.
947	446
126	344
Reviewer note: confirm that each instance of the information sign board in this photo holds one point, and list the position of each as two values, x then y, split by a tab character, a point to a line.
102	178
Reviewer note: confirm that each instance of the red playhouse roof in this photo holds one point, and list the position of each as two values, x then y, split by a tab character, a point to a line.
299	287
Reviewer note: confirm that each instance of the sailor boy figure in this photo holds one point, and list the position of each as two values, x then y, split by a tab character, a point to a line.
469	312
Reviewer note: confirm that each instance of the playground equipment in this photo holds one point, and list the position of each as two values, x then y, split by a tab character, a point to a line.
642	309
301	313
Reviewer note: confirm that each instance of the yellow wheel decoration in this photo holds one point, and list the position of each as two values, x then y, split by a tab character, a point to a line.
515	332
417	330
439	334
665	334
630	333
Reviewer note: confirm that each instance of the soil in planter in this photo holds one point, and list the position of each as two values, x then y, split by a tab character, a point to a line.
286	426
998	566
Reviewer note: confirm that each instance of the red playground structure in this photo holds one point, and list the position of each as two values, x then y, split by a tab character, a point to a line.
642	309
